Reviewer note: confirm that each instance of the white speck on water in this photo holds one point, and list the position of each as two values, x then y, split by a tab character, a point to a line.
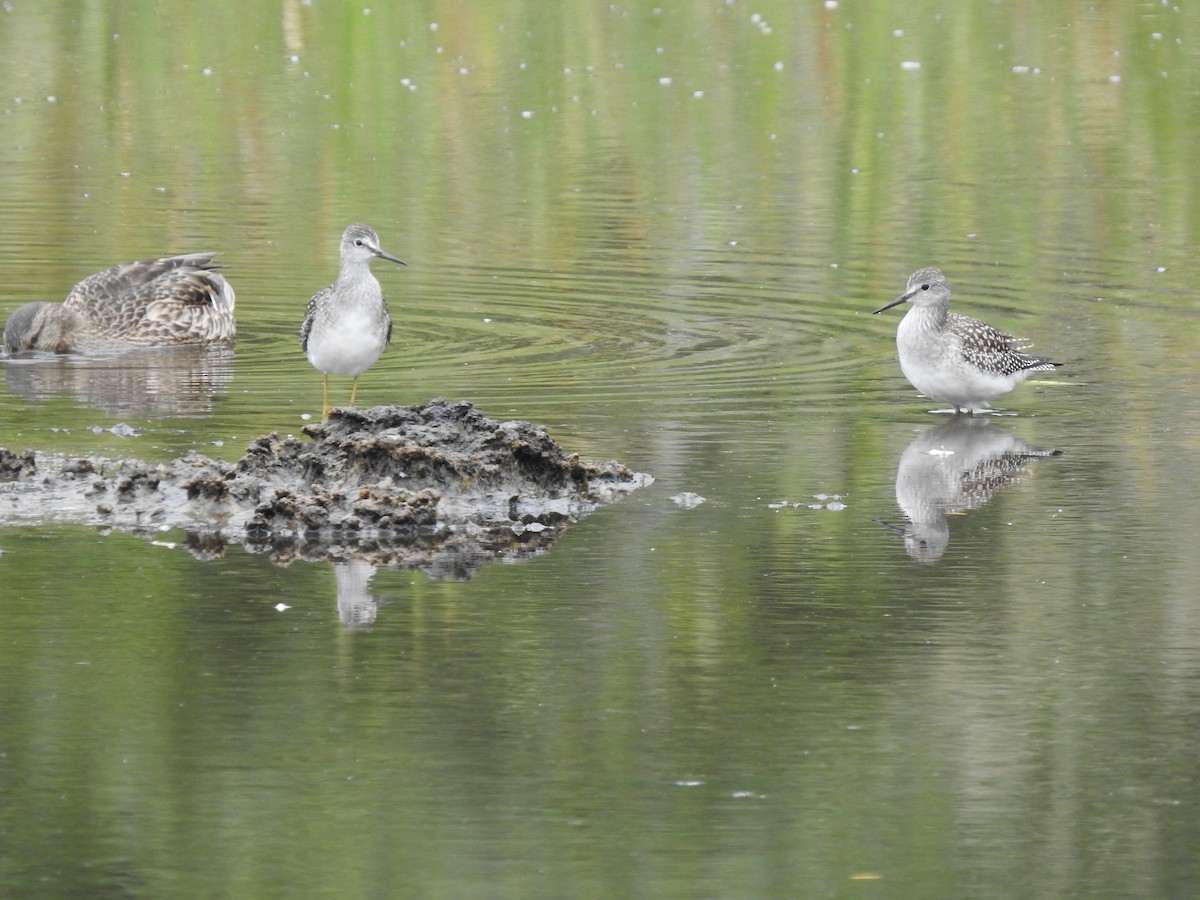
527	114
940	451
170	545
910	65
836	506
305	416
294	58
831	4
207	70
281	606
1161	269
1020	70
687	500
697	94
778	67
433	26
757	19
899	32
1114	79
689	783
487	321
665	80
1156	35
835	265
51	99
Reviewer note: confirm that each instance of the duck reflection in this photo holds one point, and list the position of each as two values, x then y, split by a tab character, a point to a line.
951	468
178	380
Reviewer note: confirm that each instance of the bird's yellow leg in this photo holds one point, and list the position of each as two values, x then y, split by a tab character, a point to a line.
353	390
325	399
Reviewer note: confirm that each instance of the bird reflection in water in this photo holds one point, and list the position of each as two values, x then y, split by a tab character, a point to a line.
951	468
356	605
179	380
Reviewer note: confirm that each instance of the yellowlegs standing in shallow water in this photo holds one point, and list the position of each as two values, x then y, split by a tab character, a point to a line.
956	359
149	303
346	325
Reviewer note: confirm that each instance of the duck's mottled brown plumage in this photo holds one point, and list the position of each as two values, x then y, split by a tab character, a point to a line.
151	302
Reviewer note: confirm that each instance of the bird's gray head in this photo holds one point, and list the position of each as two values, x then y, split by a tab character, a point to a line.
926	287
40	326
360	244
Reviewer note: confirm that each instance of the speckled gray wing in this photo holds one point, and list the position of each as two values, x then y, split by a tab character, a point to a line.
317	306
992	350
172	300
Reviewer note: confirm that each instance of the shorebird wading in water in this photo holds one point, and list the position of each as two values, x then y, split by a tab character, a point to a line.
148	303
346	325
956	359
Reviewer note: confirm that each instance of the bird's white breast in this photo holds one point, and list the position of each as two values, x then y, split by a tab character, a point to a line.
932	360
347	345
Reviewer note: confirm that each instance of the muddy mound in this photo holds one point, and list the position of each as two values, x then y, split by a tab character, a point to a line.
439	486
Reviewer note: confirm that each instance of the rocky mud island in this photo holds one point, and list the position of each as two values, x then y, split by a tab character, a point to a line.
440	487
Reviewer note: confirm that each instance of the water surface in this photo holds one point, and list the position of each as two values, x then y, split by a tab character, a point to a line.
658	231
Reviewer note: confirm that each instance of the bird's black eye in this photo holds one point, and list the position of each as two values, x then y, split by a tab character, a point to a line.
924	287
358	242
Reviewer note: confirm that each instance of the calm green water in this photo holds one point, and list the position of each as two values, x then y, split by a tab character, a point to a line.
659	231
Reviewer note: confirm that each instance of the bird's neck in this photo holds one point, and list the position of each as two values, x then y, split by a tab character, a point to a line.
357	278
932	317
